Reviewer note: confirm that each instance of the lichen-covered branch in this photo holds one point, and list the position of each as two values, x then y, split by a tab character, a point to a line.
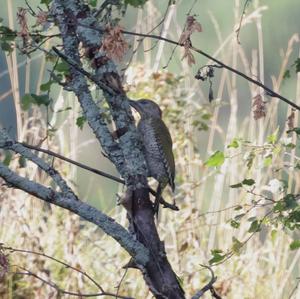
91	214
6	142
73	19
76	23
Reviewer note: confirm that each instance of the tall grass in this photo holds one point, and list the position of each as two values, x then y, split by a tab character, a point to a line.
263	268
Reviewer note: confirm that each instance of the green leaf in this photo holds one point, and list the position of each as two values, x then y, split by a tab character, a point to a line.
235	224
7	34
217	256
6	47
250	159
248	182
41	99
290	201
268	160
216	251
287	74
46	86
22	162
217	159
273	137
206	116
297	64
234	144
62	67
80	122
295	245
239	216
135	3
26	101
273	235
237	245
279	206
238	208
93	3
290	145
46	2
64	109
29	99
8	157
239	185
255	226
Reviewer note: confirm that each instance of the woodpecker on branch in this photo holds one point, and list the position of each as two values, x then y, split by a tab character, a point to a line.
157	145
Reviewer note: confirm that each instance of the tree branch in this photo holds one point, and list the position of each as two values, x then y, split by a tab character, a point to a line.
10	144
269	91
89	213
62	291
103	293
81	165
96	171
128	151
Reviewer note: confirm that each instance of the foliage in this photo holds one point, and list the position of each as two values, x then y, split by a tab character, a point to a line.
239	204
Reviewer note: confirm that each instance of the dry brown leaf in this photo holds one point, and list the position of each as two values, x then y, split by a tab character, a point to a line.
189	55
42	18
114	43
259	110
291	120
223	287
22	20
191	26
4	264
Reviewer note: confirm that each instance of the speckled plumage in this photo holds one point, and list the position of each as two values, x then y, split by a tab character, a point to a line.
157	143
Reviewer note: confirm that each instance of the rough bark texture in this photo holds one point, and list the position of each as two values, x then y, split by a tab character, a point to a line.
158	272
77	25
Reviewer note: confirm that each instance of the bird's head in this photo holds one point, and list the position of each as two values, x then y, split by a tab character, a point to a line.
146	108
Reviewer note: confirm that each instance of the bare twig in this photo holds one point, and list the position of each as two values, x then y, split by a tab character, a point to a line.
96	171
241	20
119	284
209	286
269	91
83	166
12	250
62	291
295	288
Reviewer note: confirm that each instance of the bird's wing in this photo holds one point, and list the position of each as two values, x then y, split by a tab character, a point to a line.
165	142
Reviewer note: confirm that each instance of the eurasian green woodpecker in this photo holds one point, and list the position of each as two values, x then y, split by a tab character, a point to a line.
157	145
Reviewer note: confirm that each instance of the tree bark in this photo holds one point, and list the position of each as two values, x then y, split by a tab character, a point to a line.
76	24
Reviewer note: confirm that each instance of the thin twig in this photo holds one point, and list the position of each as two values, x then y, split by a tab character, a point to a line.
96	171
241	20
139	41
209	286
119	284
295	288
59	290
269	91
61	157
11	249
